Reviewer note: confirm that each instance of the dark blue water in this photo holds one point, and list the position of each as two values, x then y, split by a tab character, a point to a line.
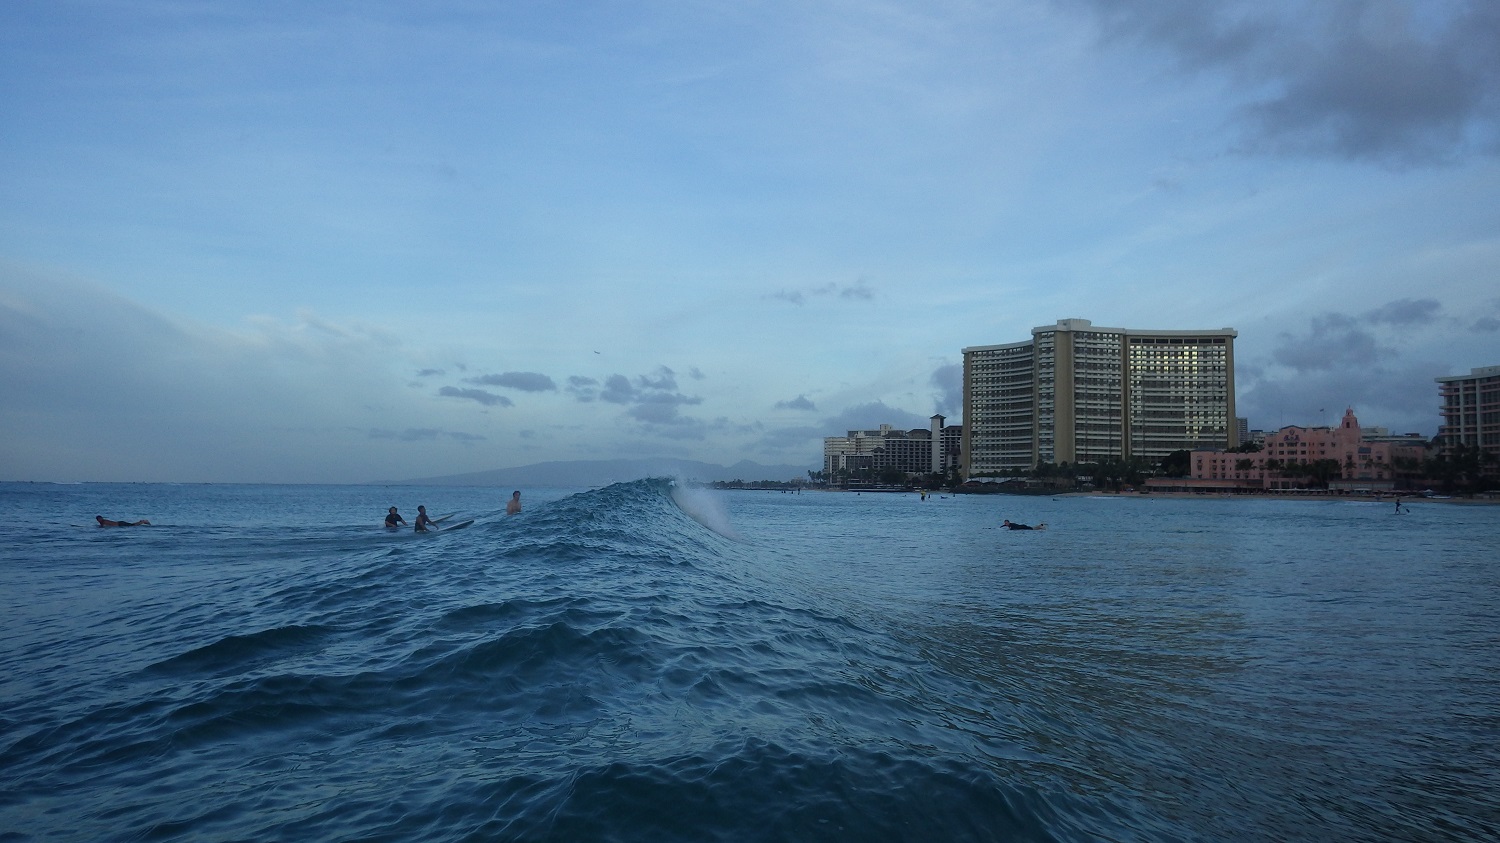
634	663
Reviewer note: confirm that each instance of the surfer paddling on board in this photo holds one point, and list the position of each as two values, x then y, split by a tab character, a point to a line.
393	518
1011	525
513	505
423	521
106	522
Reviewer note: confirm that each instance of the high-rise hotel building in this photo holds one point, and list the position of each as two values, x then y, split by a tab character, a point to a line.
1471	411
1076	393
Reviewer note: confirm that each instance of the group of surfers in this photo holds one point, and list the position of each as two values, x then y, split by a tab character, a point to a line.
394	521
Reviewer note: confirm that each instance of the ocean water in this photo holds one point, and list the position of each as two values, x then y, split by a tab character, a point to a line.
650	662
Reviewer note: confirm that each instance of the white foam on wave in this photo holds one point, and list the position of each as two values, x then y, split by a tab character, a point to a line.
704	506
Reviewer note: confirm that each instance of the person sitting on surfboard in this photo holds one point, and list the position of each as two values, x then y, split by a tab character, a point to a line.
105	522
393	518
423	520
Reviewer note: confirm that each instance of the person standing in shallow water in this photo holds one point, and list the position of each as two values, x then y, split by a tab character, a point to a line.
513	505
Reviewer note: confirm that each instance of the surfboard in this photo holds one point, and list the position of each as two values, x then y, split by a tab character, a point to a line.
459	526
444	518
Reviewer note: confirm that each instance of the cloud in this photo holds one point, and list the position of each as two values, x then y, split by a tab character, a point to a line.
801	436
1380	395
583	388
1332	341
1381	361
1402	81
870	417
798	403
1406	312
858	291
1338	340
96	386
652	399
618	390
524	381
430	373
949	380
423	434
488	399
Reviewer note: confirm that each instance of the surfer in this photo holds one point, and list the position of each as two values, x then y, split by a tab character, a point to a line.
393	518
1011	525
513	505
105	522
423	520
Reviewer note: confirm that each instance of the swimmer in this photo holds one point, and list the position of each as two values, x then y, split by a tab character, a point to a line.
106	522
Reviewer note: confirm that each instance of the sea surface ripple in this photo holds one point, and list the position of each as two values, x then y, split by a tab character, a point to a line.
652	661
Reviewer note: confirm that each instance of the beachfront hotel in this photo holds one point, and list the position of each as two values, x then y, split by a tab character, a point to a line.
1078	393
916	451
1364	462
1471	412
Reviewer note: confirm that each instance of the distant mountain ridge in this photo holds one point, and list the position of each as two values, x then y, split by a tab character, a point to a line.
572	473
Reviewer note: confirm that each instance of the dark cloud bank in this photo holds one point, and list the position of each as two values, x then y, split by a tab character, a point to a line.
1400	82
1382	362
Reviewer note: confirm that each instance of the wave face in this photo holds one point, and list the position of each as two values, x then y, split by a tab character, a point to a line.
650	662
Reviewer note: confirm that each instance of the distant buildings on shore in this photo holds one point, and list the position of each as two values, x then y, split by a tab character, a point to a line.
1295	457
1078	393
872	453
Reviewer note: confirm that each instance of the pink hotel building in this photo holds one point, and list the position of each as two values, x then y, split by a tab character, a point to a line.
1363	464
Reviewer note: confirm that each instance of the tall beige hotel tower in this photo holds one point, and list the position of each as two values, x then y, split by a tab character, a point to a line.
1077	393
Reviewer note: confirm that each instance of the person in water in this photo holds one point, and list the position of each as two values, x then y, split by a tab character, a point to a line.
513	505
393	518
105	522
1011	525
423	521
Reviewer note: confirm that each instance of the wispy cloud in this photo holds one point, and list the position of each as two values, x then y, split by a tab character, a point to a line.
524	381
488	399
858	291
423	434
801	402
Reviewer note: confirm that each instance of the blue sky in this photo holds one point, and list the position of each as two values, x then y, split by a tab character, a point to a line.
334	242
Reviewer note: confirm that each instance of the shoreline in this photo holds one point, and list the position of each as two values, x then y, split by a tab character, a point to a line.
1298	496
